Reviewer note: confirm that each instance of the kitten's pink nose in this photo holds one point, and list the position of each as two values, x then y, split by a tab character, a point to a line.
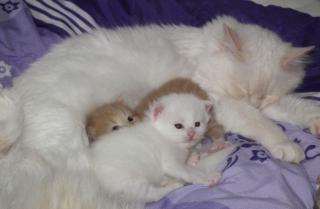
191	133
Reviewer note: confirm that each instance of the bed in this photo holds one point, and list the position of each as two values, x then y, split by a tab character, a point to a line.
251	178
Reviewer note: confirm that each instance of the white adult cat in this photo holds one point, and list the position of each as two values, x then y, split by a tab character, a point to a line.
231	63
133	161
245	67
237	66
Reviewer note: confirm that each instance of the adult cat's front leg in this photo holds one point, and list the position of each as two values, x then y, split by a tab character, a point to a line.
239	117
295	110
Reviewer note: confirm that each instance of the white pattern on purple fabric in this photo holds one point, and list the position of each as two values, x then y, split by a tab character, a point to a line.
5	69
61	14
9	8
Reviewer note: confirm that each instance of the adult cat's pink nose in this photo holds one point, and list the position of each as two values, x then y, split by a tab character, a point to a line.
191	133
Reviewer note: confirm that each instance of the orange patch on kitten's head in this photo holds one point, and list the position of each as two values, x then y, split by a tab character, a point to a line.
108	118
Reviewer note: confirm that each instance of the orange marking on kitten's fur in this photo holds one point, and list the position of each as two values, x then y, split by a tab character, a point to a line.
105	118
181	85
109	117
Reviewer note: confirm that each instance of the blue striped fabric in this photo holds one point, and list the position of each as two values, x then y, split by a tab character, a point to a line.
62	16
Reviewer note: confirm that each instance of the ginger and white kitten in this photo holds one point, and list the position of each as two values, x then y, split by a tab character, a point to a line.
132	162
182	85
109	117
113	116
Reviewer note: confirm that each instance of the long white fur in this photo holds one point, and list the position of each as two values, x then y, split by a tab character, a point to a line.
295	110
134	161
11	121
58	90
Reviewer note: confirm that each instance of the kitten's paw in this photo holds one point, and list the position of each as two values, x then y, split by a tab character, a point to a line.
215	179
289	151
219	146
175	186
193	159
314	126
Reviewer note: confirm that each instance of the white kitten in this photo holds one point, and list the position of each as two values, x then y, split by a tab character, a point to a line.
133	161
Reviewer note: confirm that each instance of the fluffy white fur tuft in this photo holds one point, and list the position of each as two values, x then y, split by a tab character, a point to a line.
11	119
134	161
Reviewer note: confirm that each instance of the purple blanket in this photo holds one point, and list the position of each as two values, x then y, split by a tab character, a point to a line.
251	178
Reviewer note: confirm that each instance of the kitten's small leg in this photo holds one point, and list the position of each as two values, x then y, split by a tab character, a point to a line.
187	173
215	179
166	180
219	145
138	189
144	191
211	163
314	126
239	117
193	159
156	193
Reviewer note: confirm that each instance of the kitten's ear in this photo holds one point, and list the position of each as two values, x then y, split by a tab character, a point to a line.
295	54
91	131
208	106
269	99
156	111
119	99
232	42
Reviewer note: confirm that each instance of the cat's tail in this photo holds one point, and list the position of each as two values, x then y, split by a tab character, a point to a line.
81	190
11	120
28	182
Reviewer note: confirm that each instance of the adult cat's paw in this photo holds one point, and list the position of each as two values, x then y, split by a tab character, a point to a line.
314	126
288	151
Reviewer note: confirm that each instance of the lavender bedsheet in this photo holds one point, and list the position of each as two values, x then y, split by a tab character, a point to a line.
251	178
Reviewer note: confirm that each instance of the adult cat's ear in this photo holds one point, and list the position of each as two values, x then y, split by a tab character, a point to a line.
208	106
232	42
156	111
295	54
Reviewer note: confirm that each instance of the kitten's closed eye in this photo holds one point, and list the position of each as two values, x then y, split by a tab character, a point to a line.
114	128
178	126
130	119
197	124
